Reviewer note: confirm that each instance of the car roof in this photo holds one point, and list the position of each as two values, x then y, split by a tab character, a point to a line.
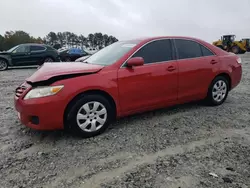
34	44
147	39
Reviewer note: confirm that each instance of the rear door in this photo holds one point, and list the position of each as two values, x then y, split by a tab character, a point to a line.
37	54
197	68
152	84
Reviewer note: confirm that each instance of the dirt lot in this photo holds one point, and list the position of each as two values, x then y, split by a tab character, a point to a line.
173	148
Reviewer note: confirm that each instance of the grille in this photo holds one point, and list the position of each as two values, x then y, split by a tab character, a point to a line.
19	91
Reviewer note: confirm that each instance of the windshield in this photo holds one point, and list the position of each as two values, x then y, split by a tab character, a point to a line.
111	53
12	49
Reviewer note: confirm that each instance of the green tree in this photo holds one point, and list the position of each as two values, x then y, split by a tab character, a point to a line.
91	40
1	43
13	38
52	38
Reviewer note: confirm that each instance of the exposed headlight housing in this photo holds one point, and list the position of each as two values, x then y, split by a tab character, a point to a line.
43	92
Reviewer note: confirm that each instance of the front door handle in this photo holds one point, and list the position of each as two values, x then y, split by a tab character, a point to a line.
171	68
213	62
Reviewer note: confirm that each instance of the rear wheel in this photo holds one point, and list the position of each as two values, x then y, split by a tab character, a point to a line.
89	116
67	59
218	91
242	51
48	59
3	65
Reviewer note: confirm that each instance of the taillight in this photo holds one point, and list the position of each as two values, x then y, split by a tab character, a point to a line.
238	60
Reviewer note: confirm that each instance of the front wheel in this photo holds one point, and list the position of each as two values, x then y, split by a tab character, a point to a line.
218	91
235	49
89	116
3	65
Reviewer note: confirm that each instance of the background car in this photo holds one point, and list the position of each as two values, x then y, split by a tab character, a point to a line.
27	55
71	54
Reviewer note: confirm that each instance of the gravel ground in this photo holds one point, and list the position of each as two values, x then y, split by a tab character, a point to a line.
173	148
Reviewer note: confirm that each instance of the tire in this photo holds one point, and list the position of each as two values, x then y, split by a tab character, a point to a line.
235	49
78	114
48	59
67	59
3	65
242	52
221	84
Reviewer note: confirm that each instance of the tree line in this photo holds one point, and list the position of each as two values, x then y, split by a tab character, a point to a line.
57	40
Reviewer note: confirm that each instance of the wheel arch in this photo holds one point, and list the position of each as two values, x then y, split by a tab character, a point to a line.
90	92
48	56
227	76
6	60
3	58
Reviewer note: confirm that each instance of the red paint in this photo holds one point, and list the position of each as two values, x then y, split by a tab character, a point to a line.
49	70
134	89
135	61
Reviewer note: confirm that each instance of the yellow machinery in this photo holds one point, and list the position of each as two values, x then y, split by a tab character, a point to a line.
228	43
246	43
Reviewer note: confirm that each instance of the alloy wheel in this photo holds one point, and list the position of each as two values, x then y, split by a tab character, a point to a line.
219	91
68	60
91	116
3	64
48	59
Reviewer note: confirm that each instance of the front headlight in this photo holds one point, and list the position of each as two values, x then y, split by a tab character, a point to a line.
43	92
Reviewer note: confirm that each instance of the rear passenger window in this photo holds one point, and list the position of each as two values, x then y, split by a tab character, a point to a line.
188	49
36	48
205	51
156	51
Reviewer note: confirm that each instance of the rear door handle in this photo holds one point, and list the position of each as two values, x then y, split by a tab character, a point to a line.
171	68
213	62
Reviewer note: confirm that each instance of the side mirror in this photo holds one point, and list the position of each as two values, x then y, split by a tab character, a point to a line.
135	61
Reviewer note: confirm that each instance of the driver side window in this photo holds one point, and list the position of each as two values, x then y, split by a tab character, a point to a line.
156	51
22	49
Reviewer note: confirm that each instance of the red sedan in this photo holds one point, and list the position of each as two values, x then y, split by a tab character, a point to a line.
124	78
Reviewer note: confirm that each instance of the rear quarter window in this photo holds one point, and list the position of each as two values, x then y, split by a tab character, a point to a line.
206	51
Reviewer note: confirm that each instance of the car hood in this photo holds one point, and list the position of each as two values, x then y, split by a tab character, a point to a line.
4	53
54	70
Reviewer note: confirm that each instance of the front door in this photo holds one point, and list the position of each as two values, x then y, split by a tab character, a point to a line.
151	85
21	55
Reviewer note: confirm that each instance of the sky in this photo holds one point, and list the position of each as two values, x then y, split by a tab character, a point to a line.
128	19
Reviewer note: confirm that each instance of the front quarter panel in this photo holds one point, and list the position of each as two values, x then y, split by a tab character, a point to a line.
105	80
